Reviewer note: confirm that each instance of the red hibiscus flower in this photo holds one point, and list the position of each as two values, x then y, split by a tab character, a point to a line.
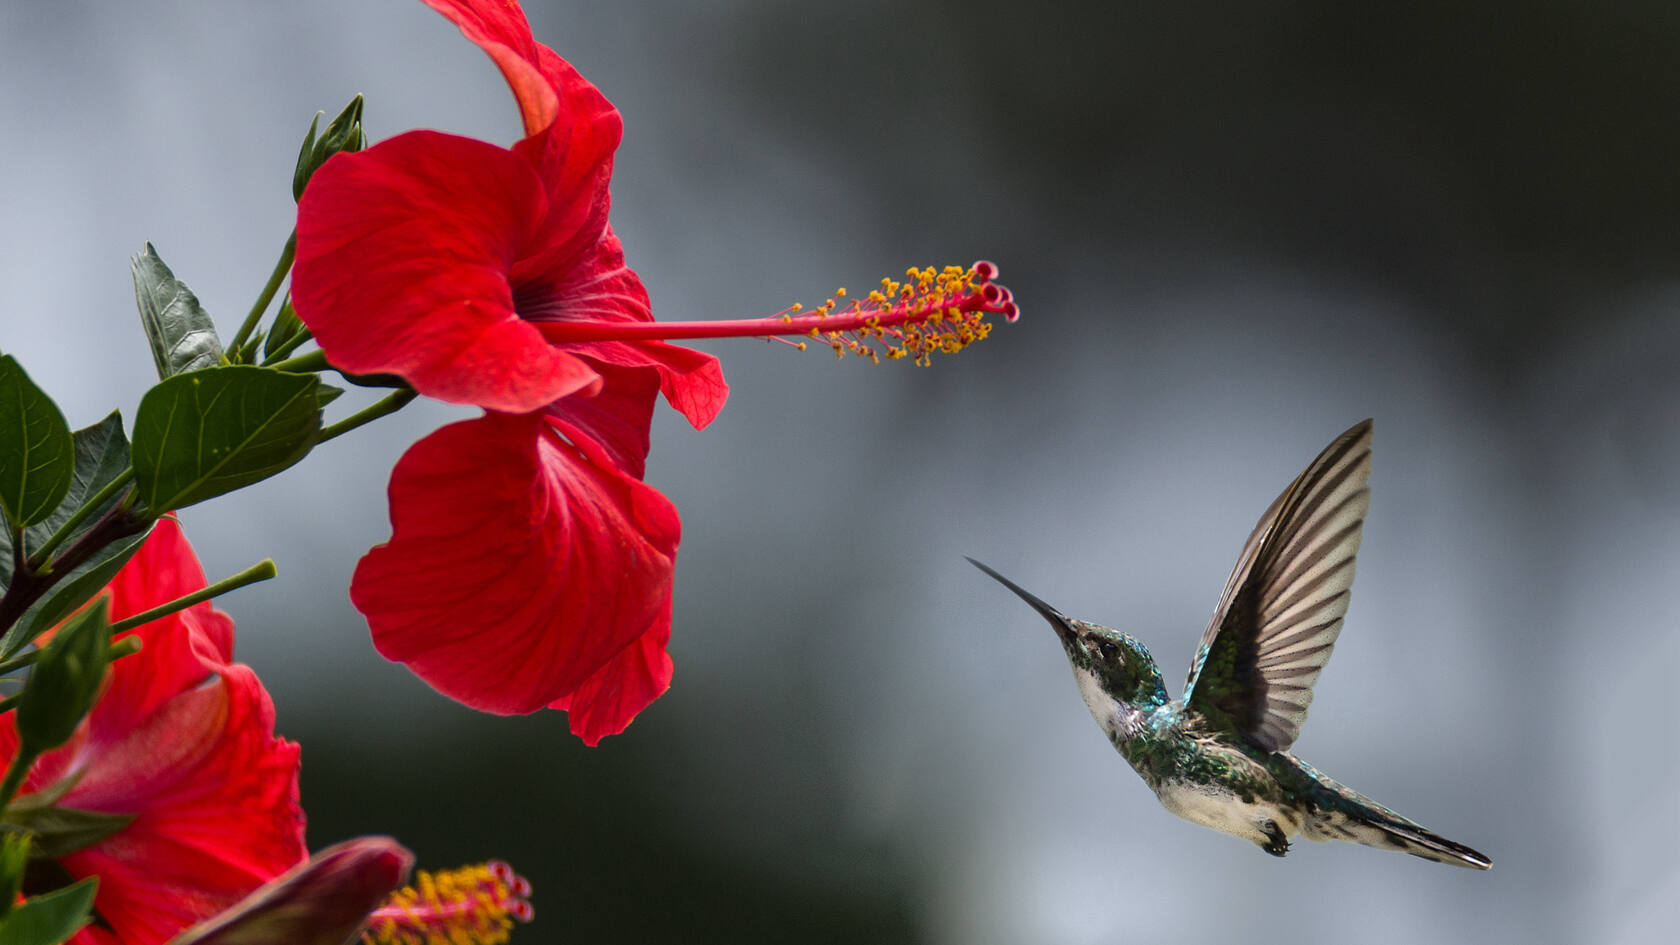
529	566
435	257
182	740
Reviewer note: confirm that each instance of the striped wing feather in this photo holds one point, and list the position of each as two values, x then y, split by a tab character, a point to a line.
1284	602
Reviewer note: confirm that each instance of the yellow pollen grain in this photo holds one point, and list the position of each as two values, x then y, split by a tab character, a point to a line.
933	311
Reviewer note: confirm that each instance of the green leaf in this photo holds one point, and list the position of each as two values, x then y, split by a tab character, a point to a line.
201	434
51	918
326	394
36	462
61	830
72	591
101	455
183	337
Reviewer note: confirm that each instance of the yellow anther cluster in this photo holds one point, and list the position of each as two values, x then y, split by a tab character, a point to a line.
474	905
932	311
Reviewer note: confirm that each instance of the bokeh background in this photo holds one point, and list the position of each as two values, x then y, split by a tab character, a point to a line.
1234	231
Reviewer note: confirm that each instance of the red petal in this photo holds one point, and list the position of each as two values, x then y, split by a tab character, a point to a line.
692	381
571	129
574	159
500	29
403	256
606	703
519	563
617	416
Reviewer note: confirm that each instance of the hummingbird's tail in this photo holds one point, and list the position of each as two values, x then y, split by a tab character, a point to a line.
1384	834
1345	814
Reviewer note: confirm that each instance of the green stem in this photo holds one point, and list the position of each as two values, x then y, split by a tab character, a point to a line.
283	266
313	362
127	646
384	407
10	702
19	661
43	554
261	571
16	772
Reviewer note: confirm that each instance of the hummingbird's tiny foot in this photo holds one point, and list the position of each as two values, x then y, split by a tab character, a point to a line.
1276	843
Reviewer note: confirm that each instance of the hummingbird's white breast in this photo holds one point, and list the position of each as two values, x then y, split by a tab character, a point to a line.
1118	720
1217	806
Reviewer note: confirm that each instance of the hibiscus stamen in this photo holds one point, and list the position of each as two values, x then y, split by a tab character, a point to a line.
932	311
473	905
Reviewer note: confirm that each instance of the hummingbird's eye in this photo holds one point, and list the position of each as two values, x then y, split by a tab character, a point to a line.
1108	649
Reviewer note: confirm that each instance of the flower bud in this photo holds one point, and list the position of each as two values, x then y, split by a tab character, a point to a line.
323	901
344	133
65	681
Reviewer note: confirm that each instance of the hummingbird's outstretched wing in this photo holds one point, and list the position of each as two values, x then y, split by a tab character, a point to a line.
1283	605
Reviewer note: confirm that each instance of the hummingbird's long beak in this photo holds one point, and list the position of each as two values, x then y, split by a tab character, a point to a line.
1062	626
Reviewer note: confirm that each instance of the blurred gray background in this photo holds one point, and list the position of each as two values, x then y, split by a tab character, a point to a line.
1234	231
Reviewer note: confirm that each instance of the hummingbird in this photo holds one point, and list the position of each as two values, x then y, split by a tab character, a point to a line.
1219	756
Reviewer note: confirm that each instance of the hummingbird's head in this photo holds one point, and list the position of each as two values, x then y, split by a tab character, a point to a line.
1104	661
1118	661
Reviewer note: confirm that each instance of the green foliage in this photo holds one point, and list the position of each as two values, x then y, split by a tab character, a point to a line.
101	456
180	331
50	918
35	448
201	434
